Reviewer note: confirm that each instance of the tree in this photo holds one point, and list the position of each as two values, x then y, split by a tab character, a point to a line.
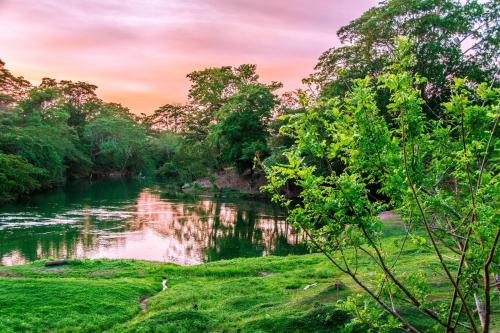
183	160
439	175
116	142
78	99
212	86
61	129
39	133
452	39
168	117
210	90
241	130
12	88
18	177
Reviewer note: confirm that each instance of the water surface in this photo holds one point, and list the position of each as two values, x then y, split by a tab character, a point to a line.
138	220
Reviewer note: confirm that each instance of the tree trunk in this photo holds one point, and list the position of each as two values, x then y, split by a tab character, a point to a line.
480	310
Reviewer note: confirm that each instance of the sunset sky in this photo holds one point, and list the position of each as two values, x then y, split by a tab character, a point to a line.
139	52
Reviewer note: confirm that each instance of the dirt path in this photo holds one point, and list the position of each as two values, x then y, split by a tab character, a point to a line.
144	301
144	305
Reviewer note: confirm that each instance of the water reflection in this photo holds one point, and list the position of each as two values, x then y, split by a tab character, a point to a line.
138	221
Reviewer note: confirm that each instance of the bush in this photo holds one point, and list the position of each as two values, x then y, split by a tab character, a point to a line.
18	177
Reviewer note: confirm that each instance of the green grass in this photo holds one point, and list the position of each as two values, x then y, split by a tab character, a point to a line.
67	305
242	295
259	294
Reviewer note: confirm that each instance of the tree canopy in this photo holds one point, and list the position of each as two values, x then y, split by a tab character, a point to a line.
452	38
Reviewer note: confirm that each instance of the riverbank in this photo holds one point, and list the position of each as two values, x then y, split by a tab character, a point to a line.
257	294
247	183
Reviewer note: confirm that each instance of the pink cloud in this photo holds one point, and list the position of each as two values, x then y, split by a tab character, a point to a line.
139	52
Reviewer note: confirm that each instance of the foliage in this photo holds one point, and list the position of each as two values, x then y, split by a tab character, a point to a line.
64	130
168	117
28	131
12	88
439	175
452	39
212	88
18	177
228	112
77	99
241	132
117	143
187	162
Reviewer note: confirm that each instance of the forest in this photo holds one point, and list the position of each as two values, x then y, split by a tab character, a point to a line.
60	130
401	117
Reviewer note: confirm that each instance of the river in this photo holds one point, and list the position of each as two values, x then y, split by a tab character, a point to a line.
141	220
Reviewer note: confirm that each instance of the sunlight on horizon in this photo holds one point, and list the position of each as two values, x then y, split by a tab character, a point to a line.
139	53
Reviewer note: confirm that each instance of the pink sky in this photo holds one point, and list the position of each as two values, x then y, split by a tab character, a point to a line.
139	51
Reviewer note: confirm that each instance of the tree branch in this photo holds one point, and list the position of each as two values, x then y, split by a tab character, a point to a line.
429	232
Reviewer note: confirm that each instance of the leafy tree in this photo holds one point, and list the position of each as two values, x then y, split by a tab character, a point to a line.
38	132
187	162
164	146
64	130
12	88
168	117
452	39
18	177
289	103
440	175
211	88
116	142
241	131
78	99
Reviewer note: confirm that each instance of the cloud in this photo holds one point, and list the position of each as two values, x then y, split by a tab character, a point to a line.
139	52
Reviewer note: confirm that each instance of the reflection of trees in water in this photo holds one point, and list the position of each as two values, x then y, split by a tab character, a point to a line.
188	230
212	229
29	243
241	238
24	245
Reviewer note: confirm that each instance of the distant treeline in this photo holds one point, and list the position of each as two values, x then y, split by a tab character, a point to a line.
60	130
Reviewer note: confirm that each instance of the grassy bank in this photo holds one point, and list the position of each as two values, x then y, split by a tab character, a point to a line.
243	295
261	294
